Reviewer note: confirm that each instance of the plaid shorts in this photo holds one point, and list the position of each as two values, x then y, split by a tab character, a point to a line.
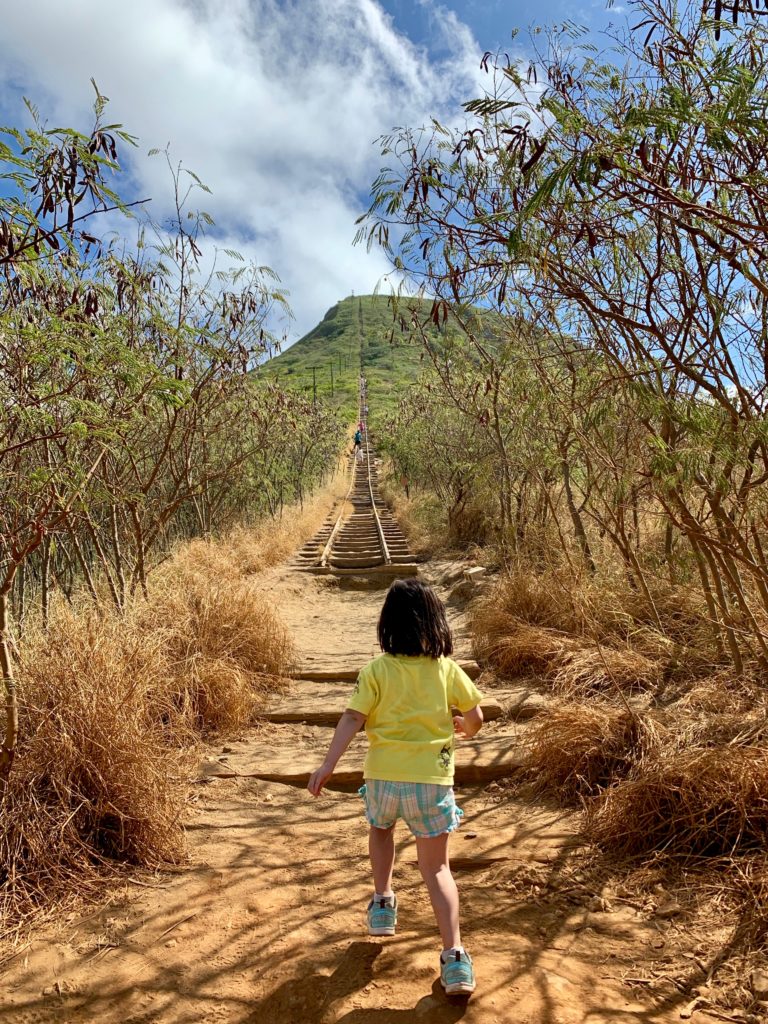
427	809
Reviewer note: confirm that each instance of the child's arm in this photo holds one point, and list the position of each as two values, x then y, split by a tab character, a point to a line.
470	723
350	723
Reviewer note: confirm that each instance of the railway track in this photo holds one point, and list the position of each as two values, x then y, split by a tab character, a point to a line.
362	537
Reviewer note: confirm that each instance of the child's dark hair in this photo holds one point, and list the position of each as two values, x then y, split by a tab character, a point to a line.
413	621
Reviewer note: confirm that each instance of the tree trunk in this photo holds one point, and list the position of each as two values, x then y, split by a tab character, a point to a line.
104	564
669	537
11	735
578	525
115	537
140	569
45	582
85	569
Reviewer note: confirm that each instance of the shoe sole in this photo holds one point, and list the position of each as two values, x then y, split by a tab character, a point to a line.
381	931
459	990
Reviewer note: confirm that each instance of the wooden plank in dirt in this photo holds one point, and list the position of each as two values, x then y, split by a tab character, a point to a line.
323	704
341	674
392	569
316	704
520	703
477	760
477	863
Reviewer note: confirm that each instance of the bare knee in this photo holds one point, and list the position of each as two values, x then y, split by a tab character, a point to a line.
433	856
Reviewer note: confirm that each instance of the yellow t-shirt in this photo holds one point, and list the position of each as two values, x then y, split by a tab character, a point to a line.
408	701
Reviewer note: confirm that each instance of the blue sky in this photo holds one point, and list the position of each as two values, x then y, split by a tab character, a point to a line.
276	104
492	21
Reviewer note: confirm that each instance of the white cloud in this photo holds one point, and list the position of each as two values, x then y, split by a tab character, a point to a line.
274	104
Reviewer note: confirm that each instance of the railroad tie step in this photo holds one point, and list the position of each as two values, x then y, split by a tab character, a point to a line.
482	760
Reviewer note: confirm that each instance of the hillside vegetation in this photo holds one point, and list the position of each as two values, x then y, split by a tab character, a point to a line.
373	334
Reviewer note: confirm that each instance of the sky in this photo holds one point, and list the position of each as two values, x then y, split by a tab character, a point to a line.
276	106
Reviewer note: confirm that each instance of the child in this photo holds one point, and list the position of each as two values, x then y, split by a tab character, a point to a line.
404	699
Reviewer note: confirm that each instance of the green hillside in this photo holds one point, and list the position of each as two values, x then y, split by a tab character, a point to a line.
353	335
360	332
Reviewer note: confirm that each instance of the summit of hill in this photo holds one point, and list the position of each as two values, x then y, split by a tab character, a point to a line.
360	334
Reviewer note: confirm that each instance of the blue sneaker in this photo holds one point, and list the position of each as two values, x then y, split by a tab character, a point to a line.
457	976
382	916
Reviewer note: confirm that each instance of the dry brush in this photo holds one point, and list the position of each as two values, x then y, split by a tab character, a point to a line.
112	708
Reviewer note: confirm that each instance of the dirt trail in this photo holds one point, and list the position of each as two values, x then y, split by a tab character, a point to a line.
266	922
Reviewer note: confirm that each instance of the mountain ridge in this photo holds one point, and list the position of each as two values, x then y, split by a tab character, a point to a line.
360	333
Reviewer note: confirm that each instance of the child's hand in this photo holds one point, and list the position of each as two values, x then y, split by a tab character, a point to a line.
318	779
468	724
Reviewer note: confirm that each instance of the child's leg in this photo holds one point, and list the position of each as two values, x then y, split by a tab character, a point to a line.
381	848
436	872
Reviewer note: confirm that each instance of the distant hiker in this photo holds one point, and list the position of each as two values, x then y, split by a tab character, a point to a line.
358	438
404	698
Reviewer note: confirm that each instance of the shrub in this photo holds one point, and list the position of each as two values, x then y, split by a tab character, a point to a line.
514	648
576	750
111	708
95	781
705	801
587	670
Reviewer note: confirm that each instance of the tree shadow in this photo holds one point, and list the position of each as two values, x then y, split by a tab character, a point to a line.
318	999
437	1008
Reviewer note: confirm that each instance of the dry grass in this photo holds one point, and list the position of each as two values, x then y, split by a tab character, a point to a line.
515	648
577	749
113	706
683	619
721	709
525	626
95	782
224	645
599	612
421	518
519	628
574	667
701	801
540	599
245	552
684	781
588	670
721	694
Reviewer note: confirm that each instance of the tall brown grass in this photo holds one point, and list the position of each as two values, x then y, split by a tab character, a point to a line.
588	635
603	607
421	518
581	671
95	782
577	749
654	736
113	706
699	801
514	647
224	647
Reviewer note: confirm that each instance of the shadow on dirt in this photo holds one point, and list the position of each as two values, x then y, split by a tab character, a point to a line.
320	999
